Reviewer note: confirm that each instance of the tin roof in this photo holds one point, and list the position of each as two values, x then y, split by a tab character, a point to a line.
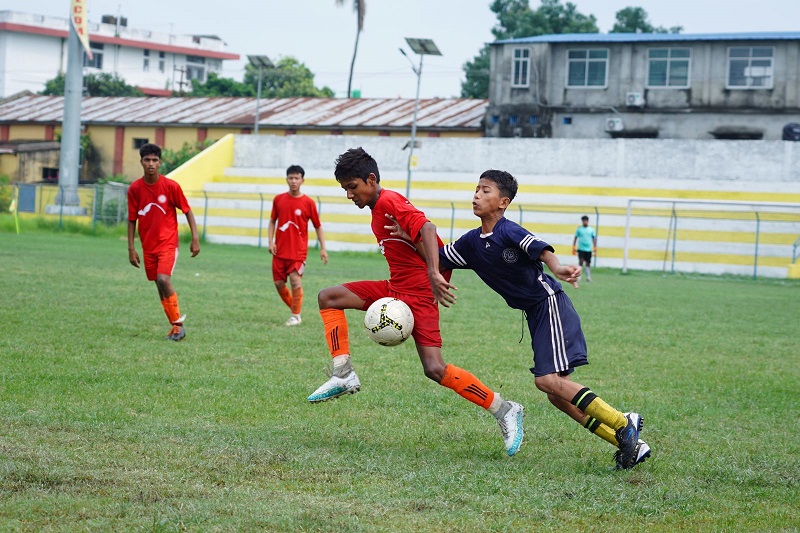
654	37
338	113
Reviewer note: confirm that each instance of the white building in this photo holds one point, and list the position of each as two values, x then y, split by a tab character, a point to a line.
33	49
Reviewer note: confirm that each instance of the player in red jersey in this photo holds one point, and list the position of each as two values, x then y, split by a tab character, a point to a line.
412	277
291	212
152	201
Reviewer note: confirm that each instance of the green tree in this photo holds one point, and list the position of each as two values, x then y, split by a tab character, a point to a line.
635	20
100	84
290	78
516	19
172	159
216	86
360	7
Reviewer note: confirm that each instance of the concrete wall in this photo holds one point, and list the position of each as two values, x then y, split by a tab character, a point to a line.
560	180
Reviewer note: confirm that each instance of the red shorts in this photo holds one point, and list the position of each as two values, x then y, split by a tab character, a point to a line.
281	268
160	263
425	309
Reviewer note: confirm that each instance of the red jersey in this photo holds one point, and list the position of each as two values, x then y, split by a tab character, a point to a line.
154	207
291	215
408	271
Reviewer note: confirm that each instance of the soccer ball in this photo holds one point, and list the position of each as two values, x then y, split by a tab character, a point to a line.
389	321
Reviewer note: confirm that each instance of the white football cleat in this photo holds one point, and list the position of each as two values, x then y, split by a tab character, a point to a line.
294	320
335	387
511	428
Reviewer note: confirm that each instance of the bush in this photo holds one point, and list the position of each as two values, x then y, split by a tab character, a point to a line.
172	159
6	193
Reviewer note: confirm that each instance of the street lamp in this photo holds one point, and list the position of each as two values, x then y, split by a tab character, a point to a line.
261	62
421	47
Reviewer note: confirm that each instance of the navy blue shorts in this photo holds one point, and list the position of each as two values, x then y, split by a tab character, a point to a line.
556	337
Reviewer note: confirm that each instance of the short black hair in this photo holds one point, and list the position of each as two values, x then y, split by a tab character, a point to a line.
504	181
356	163
584	217
296	169
150	149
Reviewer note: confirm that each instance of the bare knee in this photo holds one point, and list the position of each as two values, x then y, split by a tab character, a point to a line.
433	371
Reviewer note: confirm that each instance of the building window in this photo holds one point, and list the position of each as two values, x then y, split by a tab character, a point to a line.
196	68
162	61
587	68
534	119
750	67
520	75
567	121
668	67
495	119
97	56
49	175
513	120
138	142
146	64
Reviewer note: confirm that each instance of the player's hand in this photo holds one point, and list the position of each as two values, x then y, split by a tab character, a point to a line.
273	249
442	289
569	273
324	256
133	257
395	229
574	251
195	247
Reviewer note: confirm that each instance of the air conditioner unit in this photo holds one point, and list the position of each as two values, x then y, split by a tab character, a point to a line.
614	124
634	99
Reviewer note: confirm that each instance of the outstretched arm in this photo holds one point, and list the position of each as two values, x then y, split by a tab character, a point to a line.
568	273
441	287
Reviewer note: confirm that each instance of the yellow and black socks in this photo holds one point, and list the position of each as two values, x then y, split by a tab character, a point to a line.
592	405
601	430
467	386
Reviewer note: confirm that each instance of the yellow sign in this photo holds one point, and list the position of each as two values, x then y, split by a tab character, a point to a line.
414	162
77	13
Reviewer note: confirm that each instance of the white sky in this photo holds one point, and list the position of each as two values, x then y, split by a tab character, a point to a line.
321	34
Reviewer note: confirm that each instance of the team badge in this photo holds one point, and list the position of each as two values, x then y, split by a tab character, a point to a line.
510	255
162	199
297	212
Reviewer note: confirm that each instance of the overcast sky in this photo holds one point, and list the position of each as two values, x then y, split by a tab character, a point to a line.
321	34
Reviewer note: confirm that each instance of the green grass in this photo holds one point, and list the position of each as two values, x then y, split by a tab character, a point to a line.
107	426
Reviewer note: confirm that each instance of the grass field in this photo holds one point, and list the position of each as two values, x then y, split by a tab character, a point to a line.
107	426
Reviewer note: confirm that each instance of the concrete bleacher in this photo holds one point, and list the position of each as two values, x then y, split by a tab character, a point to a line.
560	180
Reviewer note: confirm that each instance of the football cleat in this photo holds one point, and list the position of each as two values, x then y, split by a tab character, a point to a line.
336	386
177	333
642	451
628	441
294	320
511	428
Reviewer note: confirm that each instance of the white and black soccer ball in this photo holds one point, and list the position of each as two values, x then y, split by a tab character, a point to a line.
389	321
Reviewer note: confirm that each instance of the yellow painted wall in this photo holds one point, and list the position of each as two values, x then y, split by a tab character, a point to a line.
26	132
205	166
9	166
103	140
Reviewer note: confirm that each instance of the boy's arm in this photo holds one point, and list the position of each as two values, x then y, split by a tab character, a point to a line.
195	246
323	254
271	237
133	257
568	273
430	248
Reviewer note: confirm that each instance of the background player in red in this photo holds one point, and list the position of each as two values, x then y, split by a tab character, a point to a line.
412	276
152	201
291	212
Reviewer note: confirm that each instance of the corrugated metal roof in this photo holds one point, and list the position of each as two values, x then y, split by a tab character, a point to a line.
337	113
654	37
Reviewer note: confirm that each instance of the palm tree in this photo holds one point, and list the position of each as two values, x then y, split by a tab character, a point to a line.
360	7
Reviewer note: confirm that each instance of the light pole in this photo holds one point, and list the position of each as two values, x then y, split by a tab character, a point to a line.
421	47
261	62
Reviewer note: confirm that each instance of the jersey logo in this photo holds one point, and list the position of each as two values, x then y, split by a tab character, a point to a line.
162	199
146	209
286	226
510	255
297	212
487	245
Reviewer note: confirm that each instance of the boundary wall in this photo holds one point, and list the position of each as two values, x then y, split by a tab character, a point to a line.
560	180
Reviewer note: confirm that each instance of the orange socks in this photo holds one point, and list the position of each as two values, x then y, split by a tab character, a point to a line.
297	301
335	323
170	305
286	295
467	386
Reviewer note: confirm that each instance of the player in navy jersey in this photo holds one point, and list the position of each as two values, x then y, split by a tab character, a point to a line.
510	260
413	278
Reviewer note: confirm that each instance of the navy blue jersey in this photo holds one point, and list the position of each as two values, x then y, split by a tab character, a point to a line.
507	260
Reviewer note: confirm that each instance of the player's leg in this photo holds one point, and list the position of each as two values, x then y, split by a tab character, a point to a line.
279	276
332	303
295	279
159	268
